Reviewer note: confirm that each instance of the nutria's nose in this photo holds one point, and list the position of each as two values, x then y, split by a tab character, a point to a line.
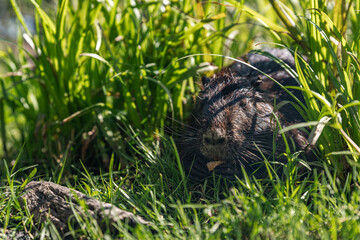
214	146
214	138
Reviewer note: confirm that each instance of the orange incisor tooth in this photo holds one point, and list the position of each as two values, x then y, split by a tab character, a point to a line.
212	165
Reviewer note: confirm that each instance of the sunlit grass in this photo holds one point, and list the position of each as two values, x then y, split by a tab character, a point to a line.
319	208
95	87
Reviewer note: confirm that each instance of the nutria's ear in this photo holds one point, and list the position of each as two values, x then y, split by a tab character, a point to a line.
205	80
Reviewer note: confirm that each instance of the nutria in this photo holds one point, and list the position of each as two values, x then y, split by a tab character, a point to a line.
233	124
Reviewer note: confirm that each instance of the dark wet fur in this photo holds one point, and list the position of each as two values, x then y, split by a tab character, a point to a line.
233	117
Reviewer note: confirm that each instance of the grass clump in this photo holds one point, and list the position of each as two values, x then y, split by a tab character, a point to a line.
318	209
87	97
98	61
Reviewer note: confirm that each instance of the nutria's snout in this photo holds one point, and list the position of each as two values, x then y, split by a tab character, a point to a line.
214	145
213	138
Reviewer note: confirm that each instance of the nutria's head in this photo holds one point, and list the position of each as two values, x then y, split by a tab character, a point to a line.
233	126
231	120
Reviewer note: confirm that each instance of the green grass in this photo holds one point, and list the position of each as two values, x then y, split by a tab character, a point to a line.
100	85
